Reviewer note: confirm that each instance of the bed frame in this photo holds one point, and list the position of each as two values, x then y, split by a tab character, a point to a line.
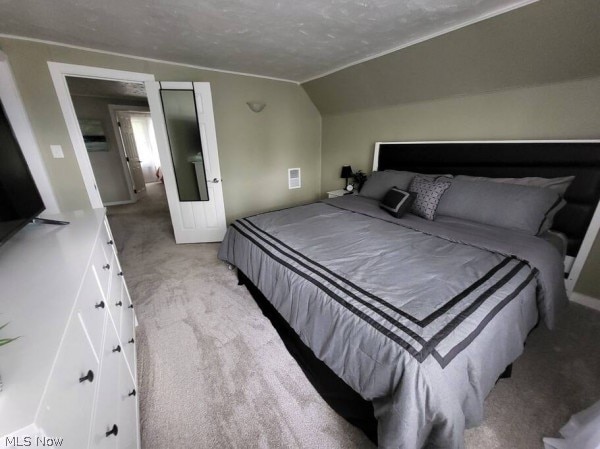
579	220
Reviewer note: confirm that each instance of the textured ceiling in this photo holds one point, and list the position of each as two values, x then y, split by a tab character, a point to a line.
89	87
288	39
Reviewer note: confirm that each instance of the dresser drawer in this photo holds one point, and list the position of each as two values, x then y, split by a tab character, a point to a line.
66	409
128	410
116	304
92	306
106	242
106	414
103	265
128	335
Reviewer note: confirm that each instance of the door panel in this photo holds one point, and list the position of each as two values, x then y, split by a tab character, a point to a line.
131	153
193	221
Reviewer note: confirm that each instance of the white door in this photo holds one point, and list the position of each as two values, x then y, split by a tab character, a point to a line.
189	159
134	164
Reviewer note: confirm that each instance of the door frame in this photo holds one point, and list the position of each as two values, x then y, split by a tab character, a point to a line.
113	109
59	72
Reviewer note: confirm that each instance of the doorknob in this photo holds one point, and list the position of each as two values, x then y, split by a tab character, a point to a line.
215	180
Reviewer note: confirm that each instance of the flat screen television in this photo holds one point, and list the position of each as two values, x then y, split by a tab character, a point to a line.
20	200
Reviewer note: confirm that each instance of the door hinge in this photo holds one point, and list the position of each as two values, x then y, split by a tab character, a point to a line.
119	124
127	158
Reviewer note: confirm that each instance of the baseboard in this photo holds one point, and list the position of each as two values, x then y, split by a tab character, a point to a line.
588	301
118	203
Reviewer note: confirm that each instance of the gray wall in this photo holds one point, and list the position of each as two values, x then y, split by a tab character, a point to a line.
533	73
107	165
255	150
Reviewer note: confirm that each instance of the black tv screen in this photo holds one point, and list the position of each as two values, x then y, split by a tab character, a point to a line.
20	200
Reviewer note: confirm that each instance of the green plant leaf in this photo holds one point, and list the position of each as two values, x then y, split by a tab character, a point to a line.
5	341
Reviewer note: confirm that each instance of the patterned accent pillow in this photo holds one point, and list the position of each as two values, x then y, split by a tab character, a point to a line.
429	193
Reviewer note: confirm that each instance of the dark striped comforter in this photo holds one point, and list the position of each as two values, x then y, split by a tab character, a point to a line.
418	317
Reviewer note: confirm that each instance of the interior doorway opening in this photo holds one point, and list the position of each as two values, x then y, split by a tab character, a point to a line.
117	130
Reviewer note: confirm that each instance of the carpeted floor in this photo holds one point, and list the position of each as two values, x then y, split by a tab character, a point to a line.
214	374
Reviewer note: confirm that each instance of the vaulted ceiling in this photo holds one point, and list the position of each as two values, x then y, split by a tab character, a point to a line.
289	39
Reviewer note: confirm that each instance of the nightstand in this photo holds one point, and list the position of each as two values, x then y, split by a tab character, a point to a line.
336	193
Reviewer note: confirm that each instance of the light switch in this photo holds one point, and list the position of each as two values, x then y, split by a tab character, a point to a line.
57	151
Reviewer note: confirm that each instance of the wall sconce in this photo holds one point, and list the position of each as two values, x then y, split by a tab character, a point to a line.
256	106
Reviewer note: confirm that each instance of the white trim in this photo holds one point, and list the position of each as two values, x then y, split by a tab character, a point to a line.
447	30
584	250
592	230
19	120
588	301
112	110
119	203
59	73
143	58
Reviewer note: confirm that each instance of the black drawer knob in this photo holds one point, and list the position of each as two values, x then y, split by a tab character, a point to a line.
120	273
114	431
89	377
100	305
130	306
132	393
119	304
106	267
110	242
117	349
131	341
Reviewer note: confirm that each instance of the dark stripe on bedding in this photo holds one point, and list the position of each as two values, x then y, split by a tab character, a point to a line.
428	347
374	308
464	314
446	359
382	329
421	323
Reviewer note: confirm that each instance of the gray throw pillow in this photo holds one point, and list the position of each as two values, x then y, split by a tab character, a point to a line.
510	206
380	182
429	192
560	184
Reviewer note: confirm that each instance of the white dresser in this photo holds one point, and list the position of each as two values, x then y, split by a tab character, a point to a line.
72	372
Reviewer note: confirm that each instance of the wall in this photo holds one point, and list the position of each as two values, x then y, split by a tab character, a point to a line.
255	150
107	165
533	73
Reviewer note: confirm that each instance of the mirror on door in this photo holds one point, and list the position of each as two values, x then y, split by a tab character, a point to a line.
179	108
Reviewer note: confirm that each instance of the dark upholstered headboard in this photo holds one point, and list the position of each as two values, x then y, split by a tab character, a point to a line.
547	159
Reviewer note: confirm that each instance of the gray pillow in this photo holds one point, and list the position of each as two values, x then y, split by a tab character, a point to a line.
428	192
559	184
511	206
380	182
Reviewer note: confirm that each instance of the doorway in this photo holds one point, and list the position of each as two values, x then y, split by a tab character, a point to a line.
193	147
115	125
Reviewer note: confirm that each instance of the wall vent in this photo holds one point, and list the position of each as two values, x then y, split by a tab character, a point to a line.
294	181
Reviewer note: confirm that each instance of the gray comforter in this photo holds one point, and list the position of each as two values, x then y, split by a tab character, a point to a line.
418	317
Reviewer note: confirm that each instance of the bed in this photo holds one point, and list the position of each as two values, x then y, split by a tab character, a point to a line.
405	324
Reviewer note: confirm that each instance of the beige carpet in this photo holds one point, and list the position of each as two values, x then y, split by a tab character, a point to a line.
214	374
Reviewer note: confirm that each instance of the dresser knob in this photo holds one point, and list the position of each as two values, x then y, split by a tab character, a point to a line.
110	242
130	306
114	431
132	341
106	267
119	304
132	393
100	305
117	349
120	273
89	377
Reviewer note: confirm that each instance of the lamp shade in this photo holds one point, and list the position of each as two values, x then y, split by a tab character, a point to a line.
346	172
